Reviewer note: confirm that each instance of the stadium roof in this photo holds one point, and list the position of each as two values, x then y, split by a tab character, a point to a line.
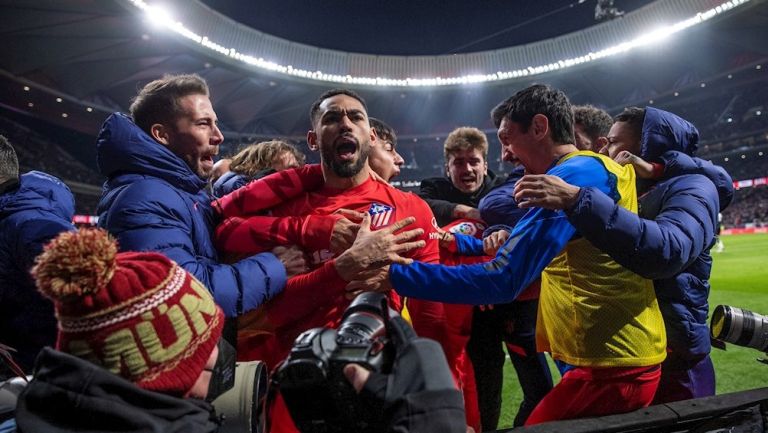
96	53
407	27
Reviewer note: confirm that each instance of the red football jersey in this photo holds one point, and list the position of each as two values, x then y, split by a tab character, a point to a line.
317	299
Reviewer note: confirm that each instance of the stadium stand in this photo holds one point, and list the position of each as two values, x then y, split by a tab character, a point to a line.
38	152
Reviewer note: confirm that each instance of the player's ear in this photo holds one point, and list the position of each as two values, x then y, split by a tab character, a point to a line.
540	126
160	133
312	140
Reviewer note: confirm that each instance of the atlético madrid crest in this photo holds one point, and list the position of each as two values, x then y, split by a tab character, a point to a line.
381	215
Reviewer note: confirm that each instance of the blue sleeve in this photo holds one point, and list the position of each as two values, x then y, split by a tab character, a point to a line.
660	248
34	228
533	243
34	233
157	219
467	245
499	206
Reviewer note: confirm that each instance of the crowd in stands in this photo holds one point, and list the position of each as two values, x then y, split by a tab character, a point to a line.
42	153
749	208
38	152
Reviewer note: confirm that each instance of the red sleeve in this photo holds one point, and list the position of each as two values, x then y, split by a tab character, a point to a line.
254	234
658	170
270	191
303	294
425	219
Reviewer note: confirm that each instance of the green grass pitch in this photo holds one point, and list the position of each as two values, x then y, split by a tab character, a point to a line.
740	279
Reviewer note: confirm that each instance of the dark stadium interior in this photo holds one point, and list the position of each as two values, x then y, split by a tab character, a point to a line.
93	55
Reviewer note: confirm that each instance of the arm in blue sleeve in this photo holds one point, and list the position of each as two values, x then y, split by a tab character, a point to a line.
658	248
499	206
153	220
533	243
531	246
467	245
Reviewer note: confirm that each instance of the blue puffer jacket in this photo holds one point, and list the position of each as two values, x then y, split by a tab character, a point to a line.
669	241
153	201
498	207
32	213
227	183
231	181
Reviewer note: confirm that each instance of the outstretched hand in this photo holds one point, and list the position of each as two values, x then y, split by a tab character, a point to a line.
544	190
374	249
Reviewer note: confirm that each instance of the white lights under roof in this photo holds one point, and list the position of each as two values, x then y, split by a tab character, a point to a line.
164	19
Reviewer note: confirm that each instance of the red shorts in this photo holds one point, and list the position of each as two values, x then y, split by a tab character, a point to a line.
587	392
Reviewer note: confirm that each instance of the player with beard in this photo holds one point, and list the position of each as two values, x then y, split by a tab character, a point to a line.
341	132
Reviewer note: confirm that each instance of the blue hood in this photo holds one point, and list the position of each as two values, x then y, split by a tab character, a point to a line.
39	191
663	131
123	147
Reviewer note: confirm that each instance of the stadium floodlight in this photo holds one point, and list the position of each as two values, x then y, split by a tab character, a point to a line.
157	14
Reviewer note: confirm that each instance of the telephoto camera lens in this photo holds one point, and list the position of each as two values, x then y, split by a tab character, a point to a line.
740	327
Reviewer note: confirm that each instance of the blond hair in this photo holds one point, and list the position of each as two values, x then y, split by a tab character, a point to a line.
464	138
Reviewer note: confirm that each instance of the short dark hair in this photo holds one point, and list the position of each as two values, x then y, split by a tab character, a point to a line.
538	99
383	131
158	101
634	117
314	111
9	162
595	122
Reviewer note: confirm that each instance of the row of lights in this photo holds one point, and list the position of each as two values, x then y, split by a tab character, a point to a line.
726	159
162	18
58	99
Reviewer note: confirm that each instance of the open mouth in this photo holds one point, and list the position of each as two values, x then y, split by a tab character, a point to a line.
346	150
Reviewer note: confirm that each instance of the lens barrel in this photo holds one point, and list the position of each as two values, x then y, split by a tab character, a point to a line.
740	327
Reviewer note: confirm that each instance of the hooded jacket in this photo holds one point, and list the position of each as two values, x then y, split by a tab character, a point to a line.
442	197
32	212
669	240
153	201
69	394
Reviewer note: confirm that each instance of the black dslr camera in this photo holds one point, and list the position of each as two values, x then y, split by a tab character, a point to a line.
318	396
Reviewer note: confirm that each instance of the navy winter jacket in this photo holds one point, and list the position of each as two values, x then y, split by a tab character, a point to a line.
153	201
227	183
32	212
669	240
230	181
498	207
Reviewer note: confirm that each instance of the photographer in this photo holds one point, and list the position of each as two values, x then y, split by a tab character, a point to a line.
399	382
419	395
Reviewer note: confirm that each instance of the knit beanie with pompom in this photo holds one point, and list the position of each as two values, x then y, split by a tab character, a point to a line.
139	315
